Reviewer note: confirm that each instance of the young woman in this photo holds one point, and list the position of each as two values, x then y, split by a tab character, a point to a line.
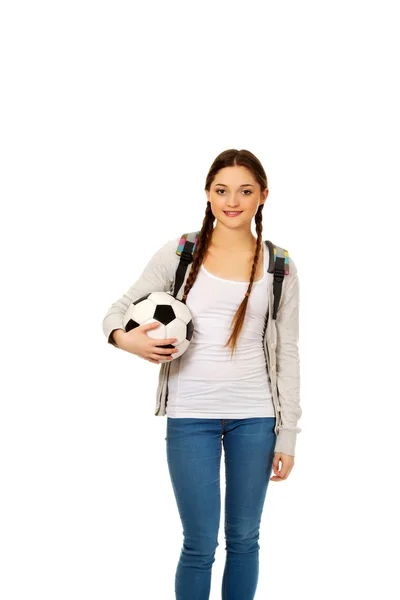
225	390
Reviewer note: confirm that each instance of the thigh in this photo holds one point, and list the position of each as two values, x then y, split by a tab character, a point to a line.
249	451
194	450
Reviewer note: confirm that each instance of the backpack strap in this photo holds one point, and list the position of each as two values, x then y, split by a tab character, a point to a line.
185	249
279	266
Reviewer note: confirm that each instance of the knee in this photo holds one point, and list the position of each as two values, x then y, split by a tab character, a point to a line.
242	539
200	545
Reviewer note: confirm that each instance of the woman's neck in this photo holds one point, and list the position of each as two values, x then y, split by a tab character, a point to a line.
233	240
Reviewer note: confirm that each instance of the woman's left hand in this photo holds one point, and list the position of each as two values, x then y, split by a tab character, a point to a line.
287	465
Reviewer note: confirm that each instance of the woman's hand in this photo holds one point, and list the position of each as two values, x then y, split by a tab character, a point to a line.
136	341
287	465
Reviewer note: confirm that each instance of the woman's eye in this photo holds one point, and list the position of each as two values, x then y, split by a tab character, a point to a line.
249	192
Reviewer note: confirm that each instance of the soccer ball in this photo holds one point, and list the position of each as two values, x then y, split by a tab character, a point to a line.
173	315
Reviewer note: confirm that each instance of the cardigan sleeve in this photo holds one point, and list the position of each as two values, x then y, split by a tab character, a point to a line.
157	276
288	363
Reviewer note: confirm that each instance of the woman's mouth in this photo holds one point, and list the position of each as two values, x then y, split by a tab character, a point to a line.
234	213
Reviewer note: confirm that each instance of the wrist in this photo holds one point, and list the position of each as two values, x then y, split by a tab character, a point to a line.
116	337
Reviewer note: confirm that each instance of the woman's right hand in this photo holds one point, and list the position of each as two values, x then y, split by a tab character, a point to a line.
136	341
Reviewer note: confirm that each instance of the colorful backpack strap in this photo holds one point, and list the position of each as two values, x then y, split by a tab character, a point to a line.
185	249
279	266
191	246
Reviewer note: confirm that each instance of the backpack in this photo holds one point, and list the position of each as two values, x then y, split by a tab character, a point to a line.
278	264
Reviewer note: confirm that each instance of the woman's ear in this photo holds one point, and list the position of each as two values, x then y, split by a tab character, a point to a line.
264	196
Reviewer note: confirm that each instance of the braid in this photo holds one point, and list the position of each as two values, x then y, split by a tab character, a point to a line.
238	319
203	242
201	248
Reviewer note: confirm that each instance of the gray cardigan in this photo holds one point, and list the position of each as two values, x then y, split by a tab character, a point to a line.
280	338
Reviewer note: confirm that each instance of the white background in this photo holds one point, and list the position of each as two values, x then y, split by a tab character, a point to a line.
111	115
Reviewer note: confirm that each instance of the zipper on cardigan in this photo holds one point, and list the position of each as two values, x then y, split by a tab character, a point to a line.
267	361
279	404
161	383
277	407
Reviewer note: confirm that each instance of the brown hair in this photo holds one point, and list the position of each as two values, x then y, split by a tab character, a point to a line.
229	158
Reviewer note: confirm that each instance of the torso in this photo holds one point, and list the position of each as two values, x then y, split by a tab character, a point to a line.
206	381
233	266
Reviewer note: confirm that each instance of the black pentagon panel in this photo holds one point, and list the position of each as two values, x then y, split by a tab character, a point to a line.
164	313
189	330
131	324
166	346
142	298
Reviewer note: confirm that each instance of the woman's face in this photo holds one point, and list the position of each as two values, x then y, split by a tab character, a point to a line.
235	189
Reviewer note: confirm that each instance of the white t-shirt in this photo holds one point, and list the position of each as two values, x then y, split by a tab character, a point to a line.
205	382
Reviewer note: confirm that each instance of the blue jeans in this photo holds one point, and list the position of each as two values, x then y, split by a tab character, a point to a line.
193	454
